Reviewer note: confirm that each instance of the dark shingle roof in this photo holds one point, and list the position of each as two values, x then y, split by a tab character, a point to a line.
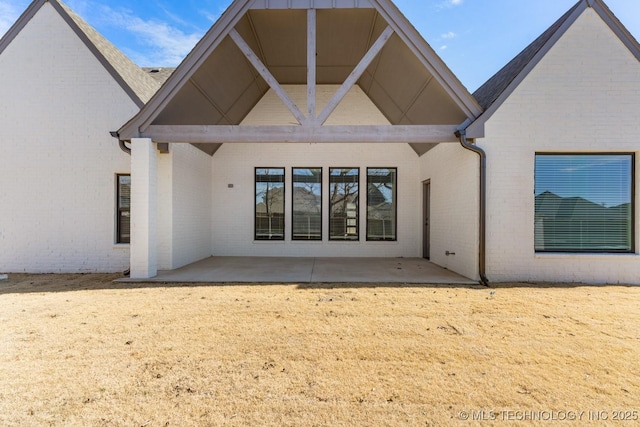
159	74
139	81
489	92
138	85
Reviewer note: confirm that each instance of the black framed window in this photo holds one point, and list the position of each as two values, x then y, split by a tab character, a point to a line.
269	207
584	202
306	204
123	208
381	204
343	203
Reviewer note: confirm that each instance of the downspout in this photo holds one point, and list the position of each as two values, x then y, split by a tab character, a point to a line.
482	260
123	146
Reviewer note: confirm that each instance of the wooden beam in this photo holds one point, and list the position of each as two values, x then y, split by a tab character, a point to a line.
267	76
311	64
355	75
216	134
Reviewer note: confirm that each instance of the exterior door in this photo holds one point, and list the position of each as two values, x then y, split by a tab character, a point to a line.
426	213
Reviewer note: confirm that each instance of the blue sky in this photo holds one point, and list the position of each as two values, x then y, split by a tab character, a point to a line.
475	38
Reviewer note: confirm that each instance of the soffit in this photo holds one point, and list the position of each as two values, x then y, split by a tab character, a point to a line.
225	87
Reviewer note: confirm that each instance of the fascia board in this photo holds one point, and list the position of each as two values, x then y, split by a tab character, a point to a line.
616	26
429	58
476	129
98	55
22	21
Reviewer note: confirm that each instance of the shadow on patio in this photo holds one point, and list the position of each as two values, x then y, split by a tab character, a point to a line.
310	270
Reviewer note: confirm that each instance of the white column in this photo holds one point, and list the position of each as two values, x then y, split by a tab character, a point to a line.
144	209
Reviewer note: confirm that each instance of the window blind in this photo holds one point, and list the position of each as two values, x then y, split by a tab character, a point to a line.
584	202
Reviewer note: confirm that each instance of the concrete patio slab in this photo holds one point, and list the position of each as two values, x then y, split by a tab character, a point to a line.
309	270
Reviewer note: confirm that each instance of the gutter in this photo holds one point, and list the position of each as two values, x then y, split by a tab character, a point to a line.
482	260
123	146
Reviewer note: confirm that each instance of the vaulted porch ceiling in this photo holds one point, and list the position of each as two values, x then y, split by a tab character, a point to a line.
260	48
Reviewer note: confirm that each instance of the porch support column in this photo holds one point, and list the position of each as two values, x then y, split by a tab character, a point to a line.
144	209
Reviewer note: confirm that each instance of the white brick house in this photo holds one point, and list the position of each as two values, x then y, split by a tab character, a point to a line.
274	137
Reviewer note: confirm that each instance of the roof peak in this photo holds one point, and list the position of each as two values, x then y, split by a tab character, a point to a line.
134	81
489	92
261	44
495	90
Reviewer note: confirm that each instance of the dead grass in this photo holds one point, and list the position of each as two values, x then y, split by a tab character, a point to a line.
78	350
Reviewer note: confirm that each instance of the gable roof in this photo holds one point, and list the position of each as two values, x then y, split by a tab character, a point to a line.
216	85
498	88
134	81
498	83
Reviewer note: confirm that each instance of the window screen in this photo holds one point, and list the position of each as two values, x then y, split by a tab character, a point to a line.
269	211
584	202
123	209
343	203
307	204
381	203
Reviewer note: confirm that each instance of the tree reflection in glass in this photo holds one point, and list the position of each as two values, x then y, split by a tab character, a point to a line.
269	220
381	204
307	204
343	203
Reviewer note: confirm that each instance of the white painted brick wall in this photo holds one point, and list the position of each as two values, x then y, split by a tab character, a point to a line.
165	209
355	108
58	161
191	205
584	96
233	208
184	206
454	176
144	208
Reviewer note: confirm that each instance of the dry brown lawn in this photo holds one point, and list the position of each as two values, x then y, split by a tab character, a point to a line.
80	350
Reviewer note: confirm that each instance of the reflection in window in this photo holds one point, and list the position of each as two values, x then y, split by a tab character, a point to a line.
307	204
381	203
343	203
269	223
584	203
123	220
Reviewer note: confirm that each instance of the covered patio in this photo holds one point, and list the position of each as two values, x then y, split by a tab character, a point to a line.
309	270
277	92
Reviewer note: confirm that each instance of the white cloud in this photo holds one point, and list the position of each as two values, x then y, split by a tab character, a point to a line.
449	3
153	42
172	16
444	47
449	35
212	16
81	7
215	10
165	45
